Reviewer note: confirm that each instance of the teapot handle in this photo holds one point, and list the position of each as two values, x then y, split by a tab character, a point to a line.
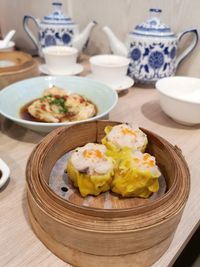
190	47
27	30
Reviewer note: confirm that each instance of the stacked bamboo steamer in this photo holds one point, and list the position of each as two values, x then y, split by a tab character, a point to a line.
135	236
22	66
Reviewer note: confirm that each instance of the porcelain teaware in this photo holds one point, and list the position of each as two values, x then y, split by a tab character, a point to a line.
179	98
152	49
109	67
60	59
57	29
10	47
5	42
111	70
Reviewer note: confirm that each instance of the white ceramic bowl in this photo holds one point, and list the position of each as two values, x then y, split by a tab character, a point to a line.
16	95
8	48
59	59
109	67
180	98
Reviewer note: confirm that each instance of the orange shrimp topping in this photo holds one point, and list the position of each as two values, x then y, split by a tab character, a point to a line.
87	154
128	131
146	156
98	153
150	163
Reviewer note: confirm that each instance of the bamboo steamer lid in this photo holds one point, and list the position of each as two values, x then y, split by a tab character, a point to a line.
20	66
135	233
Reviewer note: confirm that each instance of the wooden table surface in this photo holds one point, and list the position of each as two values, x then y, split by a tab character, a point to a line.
18	244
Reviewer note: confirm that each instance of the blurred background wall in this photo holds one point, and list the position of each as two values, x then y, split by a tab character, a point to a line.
120	15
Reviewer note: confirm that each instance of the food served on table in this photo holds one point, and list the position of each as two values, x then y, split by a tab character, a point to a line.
57	105
136	174
124	135
90	169
119	165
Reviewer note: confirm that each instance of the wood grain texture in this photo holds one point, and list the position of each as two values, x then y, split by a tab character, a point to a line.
118	236
19	245
77	257
24	66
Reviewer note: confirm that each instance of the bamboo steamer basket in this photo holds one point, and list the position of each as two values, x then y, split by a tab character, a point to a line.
24	66
135	233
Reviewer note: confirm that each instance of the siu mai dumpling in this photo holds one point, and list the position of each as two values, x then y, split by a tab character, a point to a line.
136	175
90	169
123	135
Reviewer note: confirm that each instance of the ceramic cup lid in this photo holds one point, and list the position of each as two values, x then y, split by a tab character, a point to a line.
153	26
57	17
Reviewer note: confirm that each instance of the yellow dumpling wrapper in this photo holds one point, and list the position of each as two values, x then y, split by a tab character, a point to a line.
89	184
132	181
113	147
117	154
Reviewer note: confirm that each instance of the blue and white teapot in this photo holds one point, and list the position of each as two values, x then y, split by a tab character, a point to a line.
152	48
57	29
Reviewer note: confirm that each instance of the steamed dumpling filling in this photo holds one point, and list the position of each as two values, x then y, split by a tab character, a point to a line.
90	169
92	159
123	135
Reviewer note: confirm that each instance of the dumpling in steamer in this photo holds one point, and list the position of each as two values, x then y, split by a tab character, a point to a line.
90	169
123	135
136	174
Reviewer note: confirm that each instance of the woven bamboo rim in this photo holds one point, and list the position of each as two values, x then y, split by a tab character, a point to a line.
51	148
85	236
22	61
25	67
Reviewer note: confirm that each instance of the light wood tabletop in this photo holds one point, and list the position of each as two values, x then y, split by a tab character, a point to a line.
18	244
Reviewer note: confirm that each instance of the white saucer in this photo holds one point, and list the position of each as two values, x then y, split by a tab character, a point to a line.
124	84
78	68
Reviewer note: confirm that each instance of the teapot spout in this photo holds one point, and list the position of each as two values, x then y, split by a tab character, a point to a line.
116	45
81	39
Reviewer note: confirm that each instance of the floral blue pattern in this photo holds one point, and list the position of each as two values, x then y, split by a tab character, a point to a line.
153	25
173	52
136	54
66	38
59	37
50	40
152	48
56	28
156	60
152	61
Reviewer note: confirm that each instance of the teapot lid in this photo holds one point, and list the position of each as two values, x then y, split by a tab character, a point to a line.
153	25
57	17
